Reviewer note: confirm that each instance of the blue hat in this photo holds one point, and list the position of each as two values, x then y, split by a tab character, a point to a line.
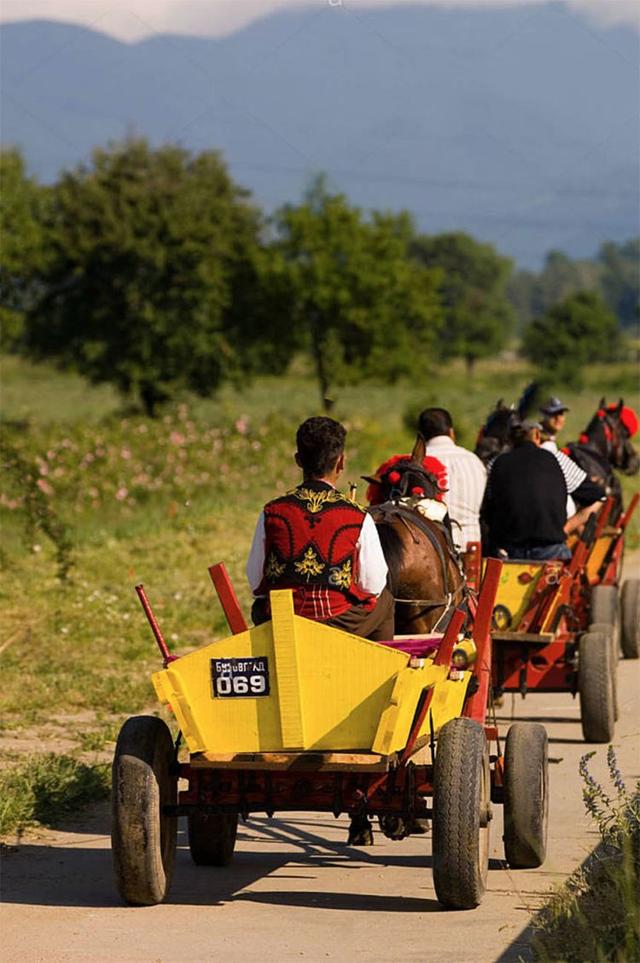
553	407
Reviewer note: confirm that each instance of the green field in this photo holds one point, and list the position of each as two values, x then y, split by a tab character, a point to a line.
158	502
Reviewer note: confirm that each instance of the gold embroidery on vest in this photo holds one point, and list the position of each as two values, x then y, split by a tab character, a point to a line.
317	500
273	569
310	564
341	575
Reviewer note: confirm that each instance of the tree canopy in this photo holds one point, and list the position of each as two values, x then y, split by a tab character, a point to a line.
147	251
351	295
22	207
579	330
477	315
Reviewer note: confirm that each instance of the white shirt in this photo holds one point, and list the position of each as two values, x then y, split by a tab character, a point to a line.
466	481
371	568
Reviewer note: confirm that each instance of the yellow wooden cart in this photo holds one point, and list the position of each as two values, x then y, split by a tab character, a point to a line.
294	715
554	625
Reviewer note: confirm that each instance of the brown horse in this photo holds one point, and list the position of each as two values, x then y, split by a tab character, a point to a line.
425	573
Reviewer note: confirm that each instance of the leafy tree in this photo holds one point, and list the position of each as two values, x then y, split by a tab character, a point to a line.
148	249
22	204
571	334
349	292
478	316
620	279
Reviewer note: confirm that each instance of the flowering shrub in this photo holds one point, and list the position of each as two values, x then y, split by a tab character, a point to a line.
125	462
596	915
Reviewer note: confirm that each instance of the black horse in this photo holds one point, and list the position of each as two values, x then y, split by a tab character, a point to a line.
496	435
605	445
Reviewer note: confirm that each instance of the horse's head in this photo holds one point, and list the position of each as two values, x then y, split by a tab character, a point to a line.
496	435
401	477
610	432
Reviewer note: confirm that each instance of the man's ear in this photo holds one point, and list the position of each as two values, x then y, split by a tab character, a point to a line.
340	463
297	459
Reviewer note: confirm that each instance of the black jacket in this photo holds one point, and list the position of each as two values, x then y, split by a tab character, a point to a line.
525	502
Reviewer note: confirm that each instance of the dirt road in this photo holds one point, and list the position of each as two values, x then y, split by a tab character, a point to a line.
296	891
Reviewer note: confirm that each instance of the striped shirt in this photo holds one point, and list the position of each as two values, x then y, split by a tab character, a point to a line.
573	473
466	480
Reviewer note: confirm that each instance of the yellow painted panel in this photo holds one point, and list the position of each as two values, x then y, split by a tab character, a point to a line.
328	691
515	595
597	555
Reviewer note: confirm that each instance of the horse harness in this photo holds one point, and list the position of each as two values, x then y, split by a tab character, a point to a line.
411	518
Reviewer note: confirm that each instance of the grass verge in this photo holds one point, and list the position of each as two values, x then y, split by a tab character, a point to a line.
595	916
44	788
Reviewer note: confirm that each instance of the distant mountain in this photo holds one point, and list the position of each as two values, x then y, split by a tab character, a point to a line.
518	124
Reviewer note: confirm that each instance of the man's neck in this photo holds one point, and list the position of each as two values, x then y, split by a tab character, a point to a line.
325	480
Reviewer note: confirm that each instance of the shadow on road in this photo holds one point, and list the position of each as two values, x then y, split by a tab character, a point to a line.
78	871
357	902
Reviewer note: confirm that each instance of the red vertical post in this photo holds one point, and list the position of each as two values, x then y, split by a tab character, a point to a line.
473	565
228	598
155	628
443	655
603	518
476	706
626	516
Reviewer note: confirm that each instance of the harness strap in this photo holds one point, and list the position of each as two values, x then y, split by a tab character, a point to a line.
408	516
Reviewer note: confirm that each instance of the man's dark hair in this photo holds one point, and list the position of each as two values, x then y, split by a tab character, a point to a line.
320	443
433	422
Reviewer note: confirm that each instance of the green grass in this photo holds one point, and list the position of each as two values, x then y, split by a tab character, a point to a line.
595	915
45	788
159	501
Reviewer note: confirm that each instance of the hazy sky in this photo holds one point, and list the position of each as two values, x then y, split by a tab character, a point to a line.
135	19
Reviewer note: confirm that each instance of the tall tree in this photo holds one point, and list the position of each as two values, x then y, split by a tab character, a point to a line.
352	296
579	330
478	316
22	204
147	250
620	279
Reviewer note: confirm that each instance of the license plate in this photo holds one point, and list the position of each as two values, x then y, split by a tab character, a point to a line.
240	678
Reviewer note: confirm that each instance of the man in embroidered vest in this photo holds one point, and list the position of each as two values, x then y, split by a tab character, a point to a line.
319	543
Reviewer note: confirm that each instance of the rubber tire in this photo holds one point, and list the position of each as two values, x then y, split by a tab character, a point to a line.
612	635
595	686
212	838
604	604
630	618
461	814
143	840
526	795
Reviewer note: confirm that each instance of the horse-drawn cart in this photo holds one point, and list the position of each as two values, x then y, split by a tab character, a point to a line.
612	602
555	625
294	715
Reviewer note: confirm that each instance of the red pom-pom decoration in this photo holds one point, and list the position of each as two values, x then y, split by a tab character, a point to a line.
417	491
394	477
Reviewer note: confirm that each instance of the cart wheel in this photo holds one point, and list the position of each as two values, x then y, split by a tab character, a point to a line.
595	685
143	839
461	814
604	604
212	838
526	800
612	635
630	604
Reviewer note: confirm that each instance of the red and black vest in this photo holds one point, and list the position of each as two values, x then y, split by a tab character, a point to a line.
310	547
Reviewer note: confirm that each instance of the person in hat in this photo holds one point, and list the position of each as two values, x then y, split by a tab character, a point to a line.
553	419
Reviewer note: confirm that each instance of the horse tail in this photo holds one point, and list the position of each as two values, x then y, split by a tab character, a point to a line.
393	550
